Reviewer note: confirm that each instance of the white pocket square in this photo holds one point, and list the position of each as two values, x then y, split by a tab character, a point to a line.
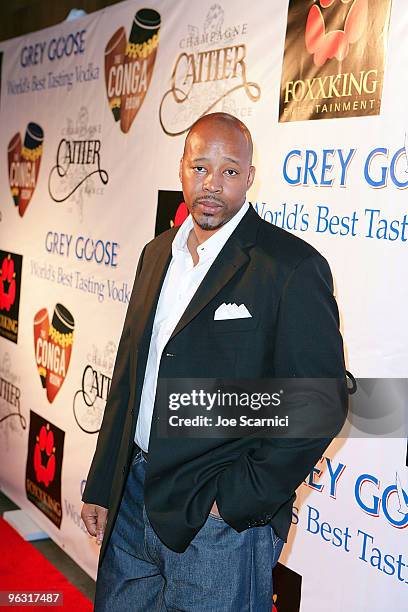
231	311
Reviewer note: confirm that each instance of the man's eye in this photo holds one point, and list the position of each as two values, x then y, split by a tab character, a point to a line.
199	169
231	172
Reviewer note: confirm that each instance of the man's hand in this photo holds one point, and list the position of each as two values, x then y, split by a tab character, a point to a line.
95	518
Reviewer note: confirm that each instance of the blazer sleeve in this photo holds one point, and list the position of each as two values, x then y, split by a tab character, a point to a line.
308	344
100	478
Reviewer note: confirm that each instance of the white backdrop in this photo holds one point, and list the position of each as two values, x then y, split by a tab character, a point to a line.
79	195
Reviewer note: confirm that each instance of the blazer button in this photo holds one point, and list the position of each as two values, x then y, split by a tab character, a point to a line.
170	355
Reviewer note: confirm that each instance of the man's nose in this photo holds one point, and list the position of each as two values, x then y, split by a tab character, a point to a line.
212	183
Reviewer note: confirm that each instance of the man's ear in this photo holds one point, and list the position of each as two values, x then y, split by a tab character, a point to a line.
251	176
180	168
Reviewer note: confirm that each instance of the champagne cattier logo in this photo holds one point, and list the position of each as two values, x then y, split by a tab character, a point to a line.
43	468
53	346
24	165
334	58
78	171
10	284
12	421
129	66
90	399
211	71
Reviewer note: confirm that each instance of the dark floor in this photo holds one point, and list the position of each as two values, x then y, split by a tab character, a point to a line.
57	557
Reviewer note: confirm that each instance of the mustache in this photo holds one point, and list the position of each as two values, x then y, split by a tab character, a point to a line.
208	198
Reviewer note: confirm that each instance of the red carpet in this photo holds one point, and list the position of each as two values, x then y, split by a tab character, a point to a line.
23	568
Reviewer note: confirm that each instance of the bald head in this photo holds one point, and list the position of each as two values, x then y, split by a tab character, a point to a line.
216	171
224	122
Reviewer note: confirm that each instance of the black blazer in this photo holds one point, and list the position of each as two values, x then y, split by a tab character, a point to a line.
294	332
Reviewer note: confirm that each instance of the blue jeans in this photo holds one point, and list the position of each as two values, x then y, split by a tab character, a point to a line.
220	571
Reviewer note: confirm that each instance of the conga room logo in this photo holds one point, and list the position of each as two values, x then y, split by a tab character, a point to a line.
53	347
334	59
129	66
24	159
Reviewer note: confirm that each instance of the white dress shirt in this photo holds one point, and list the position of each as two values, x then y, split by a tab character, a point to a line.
179	286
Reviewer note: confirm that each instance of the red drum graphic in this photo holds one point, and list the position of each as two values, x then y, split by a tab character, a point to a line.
41	330
44	447
31	158
14	155
59	348
114	57
328	44
7	275
138	65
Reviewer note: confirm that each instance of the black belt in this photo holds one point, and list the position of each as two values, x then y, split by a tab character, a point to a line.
144	454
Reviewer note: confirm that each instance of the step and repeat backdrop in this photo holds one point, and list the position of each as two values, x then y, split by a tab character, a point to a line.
94	114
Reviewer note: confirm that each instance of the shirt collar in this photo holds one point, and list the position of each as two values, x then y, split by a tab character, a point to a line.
210	248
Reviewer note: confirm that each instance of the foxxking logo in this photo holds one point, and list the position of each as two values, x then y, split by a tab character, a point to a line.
171	210
10	284
334	59
44	465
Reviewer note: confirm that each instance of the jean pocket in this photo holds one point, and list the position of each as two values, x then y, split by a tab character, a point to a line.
277	545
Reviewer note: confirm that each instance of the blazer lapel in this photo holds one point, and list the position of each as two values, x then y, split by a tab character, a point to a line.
230	259
151	286
141	330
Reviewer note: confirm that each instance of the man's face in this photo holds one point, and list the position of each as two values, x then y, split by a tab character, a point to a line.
215	173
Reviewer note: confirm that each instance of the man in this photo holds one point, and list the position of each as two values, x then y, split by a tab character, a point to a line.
197	524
